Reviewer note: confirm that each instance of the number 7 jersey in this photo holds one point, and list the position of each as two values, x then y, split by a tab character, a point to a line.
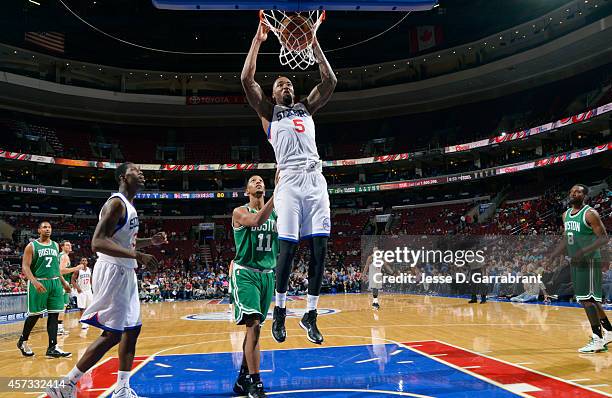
45	260
292	135
257	247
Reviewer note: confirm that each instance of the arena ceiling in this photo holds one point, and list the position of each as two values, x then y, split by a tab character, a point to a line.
138	22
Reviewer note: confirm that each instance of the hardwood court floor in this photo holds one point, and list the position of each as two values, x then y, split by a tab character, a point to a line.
541	338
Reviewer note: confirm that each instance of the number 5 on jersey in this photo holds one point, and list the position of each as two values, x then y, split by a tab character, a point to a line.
299	125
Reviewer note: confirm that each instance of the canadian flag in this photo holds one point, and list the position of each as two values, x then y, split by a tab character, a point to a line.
425	37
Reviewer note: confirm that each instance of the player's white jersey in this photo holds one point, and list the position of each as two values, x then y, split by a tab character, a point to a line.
124	235
292	135
84	279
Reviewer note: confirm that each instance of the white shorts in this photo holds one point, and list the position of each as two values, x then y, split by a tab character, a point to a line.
301	202
84	299
375	282
115	306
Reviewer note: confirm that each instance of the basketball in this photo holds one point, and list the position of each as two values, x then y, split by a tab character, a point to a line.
296	33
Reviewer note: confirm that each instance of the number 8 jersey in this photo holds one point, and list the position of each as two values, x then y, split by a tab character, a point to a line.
257	247
292	135
579	233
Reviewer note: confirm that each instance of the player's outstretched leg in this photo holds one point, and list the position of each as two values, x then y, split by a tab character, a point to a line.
127	351
283	270
596	344
92	355
316	268
249	381
240	384
22	343
54	351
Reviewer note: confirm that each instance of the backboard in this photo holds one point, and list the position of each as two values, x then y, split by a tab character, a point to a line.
297	5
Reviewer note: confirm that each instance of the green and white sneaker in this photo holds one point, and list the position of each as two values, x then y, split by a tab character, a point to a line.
595	345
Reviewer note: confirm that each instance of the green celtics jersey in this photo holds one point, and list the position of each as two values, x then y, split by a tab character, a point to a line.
67	277
45	260
578	233
257	247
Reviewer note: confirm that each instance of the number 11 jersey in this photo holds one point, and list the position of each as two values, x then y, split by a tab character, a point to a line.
257	247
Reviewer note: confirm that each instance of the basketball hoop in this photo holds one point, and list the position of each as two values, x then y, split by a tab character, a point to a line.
295	32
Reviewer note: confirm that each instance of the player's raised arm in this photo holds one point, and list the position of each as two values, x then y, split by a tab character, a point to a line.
254	93
323	91
64	266
242	217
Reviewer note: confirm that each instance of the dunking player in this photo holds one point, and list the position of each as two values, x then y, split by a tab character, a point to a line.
81	280
46	287
67	271
252	278
584	234
116	307
302	201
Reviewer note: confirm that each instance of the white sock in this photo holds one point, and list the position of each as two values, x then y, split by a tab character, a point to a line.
123	380
74	375
375	300
311	302
281	299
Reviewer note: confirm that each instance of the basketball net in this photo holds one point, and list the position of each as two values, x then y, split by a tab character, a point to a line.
296	32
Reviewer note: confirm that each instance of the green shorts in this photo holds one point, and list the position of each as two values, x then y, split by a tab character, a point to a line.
50	301
66	298
586	277
252	292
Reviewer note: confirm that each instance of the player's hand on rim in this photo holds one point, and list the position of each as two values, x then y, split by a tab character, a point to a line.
262	32
159	238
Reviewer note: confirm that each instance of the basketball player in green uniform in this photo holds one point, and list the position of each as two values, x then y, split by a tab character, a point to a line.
252	278
66	270
584	234
46	287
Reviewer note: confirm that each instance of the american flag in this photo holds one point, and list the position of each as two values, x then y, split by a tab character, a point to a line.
53	41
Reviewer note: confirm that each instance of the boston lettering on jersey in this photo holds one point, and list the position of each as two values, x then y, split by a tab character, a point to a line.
572	226
269	225
47	251
257	247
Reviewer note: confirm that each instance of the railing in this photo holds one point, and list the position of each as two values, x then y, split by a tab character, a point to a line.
504	138
333	190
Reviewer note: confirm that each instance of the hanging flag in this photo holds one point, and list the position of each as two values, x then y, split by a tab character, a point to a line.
52	41
425	37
